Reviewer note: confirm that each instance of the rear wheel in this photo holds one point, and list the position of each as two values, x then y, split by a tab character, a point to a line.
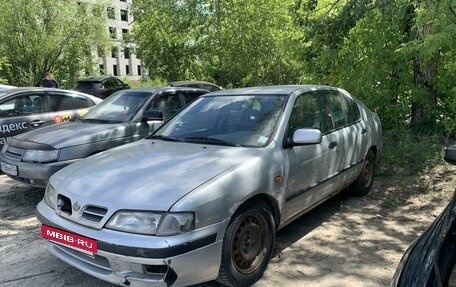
363	184
247	245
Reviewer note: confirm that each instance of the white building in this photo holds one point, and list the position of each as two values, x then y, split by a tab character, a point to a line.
121	61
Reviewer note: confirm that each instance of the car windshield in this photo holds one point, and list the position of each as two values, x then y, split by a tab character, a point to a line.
119	107
244	120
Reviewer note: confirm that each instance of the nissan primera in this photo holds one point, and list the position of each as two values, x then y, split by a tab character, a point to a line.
203	196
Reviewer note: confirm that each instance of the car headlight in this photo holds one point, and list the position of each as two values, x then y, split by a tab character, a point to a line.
50	196
40	155
152	223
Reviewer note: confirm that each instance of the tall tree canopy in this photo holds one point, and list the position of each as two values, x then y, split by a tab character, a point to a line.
232	42
55	35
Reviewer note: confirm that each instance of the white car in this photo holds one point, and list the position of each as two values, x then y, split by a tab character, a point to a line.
202	197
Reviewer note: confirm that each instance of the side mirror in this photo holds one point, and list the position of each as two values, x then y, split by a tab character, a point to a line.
450	154
306	136
153	115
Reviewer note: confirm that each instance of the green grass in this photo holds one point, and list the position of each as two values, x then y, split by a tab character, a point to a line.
412	165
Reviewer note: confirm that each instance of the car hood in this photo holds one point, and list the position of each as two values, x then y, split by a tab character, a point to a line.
146	175
70	134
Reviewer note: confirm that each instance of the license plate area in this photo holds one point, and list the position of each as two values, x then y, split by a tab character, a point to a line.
8	168
69	239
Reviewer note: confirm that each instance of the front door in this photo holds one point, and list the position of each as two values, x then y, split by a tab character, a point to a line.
309	166
21	113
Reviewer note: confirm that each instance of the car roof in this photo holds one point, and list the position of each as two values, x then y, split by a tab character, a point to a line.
2	86
7	92
190	82
96	79
160	89
284	90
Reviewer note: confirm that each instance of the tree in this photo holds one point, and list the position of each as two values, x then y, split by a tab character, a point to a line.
231	42
54	35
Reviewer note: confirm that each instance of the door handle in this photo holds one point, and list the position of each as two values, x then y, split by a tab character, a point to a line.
36	123
363	131
332	145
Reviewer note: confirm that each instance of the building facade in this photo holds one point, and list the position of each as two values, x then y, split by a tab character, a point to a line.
121	61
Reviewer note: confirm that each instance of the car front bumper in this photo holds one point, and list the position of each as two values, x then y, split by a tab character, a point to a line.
138	260
35	174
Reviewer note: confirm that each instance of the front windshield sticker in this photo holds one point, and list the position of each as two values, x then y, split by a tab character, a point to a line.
262	140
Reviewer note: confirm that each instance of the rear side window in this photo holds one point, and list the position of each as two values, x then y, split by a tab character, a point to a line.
191	96
168	104
60	102
210	88
341	112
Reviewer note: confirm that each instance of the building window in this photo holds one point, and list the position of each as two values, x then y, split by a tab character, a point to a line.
124	15
139	70
111	13
114	52
114	70
113	32
100	52
102	71
127	53
127	70
123	0
125	33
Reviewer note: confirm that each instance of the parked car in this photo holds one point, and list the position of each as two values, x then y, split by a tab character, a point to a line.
123	117
3	87
100	87
203	196
196	84
26	109
430	260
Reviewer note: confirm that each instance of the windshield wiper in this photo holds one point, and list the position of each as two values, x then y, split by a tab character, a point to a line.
209	140
165	138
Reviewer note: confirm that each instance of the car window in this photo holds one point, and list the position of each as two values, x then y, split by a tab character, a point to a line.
119	107
88	85
191	96
309	111
63	102
108	84
246	120
341	112
210	88
168	104
355	109
117	82
22	105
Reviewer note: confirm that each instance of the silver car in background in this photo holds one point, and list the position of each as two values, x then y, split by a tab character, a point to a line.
202	198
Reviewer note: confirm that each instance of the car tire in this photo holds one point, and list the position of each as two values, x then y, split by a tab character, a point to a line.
247	245
363	184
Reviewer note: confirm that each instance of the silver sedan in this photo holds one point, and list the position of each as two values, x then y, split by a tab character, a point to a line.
202	197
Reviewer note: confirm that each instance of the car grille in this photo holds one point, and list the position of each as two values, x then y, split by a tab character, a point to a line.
14	153
93	213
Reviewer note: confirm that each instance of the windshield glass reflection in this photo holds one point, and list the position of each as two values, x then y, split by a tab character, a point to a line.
244	120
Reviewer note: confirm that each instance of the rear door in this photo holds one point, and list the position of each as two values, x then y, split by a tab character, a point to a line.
20	113
351	131
65	106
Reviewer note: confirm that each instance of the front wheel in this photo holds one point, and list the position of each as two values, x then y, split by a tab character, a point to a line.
247	245
363	184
